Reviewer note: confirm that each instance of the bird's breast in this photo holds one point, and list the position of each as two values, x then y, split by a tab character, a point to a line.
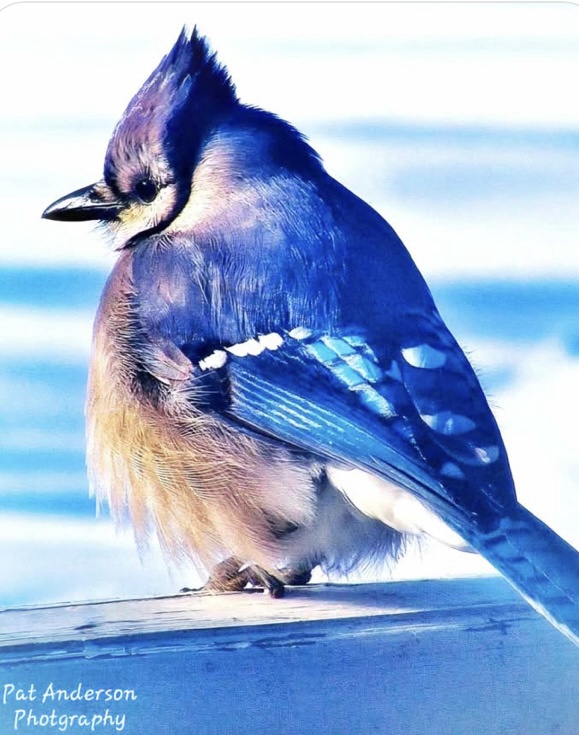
207	488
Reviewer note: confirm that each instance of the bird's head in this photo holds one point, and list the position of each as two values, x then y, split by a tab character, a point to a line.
155	146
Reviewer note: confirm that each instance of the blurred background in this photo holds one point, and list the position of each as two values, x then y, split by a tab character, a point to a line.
458	122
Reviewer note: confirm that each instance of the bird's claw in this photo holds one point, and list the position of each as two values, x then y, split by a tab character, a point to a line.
232	575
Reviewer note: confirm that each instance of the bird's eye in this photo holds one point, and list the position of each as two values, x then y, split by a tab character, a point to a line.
146	190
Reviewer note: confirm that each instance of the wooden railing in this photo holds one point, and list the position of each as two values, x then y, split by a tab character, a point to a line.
439	657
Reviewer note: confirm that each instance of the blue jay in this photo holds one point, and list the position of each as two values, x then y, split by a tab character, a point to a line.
271	385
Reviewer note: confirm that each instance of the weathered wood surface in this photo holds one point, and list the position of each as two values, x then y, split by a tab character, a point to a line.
452	657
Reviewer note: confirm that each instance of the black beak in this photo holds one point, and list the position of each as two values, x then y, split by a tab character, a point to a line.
95	202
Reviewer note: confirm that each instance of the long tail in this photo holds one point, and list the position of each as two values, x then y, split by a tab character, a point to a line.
539	564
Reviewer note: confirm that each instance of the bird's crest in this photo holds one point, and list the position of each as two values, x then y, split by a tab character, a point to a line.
175	106
190	64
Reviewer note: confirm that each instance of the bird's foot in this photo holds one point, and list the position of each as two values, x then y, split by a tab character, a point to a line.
295	575
232	575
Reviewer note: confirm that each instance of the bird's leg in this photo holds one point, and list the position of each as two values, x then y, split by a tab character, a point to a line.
296	575
225	577
232	575
258	577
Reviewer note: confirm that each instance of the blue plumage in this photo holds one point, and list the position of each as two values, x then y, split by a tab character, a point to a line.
271	380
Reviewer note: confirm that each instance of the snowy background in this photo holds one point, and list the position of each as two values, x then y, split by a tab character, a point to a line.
459	123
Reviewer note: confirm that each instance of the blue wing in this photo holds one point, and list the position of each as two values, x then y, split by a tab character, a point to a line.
409	409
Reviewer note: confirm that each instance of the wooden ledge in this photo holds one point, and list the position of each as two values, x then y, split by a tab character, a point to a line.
438	656
396	605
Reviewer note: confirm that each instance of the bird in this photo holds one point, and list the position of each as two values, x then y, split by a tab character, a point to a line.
271	385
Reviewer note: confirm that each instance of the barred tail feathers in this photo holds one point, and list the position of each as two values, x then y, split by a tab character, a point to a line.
539	564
